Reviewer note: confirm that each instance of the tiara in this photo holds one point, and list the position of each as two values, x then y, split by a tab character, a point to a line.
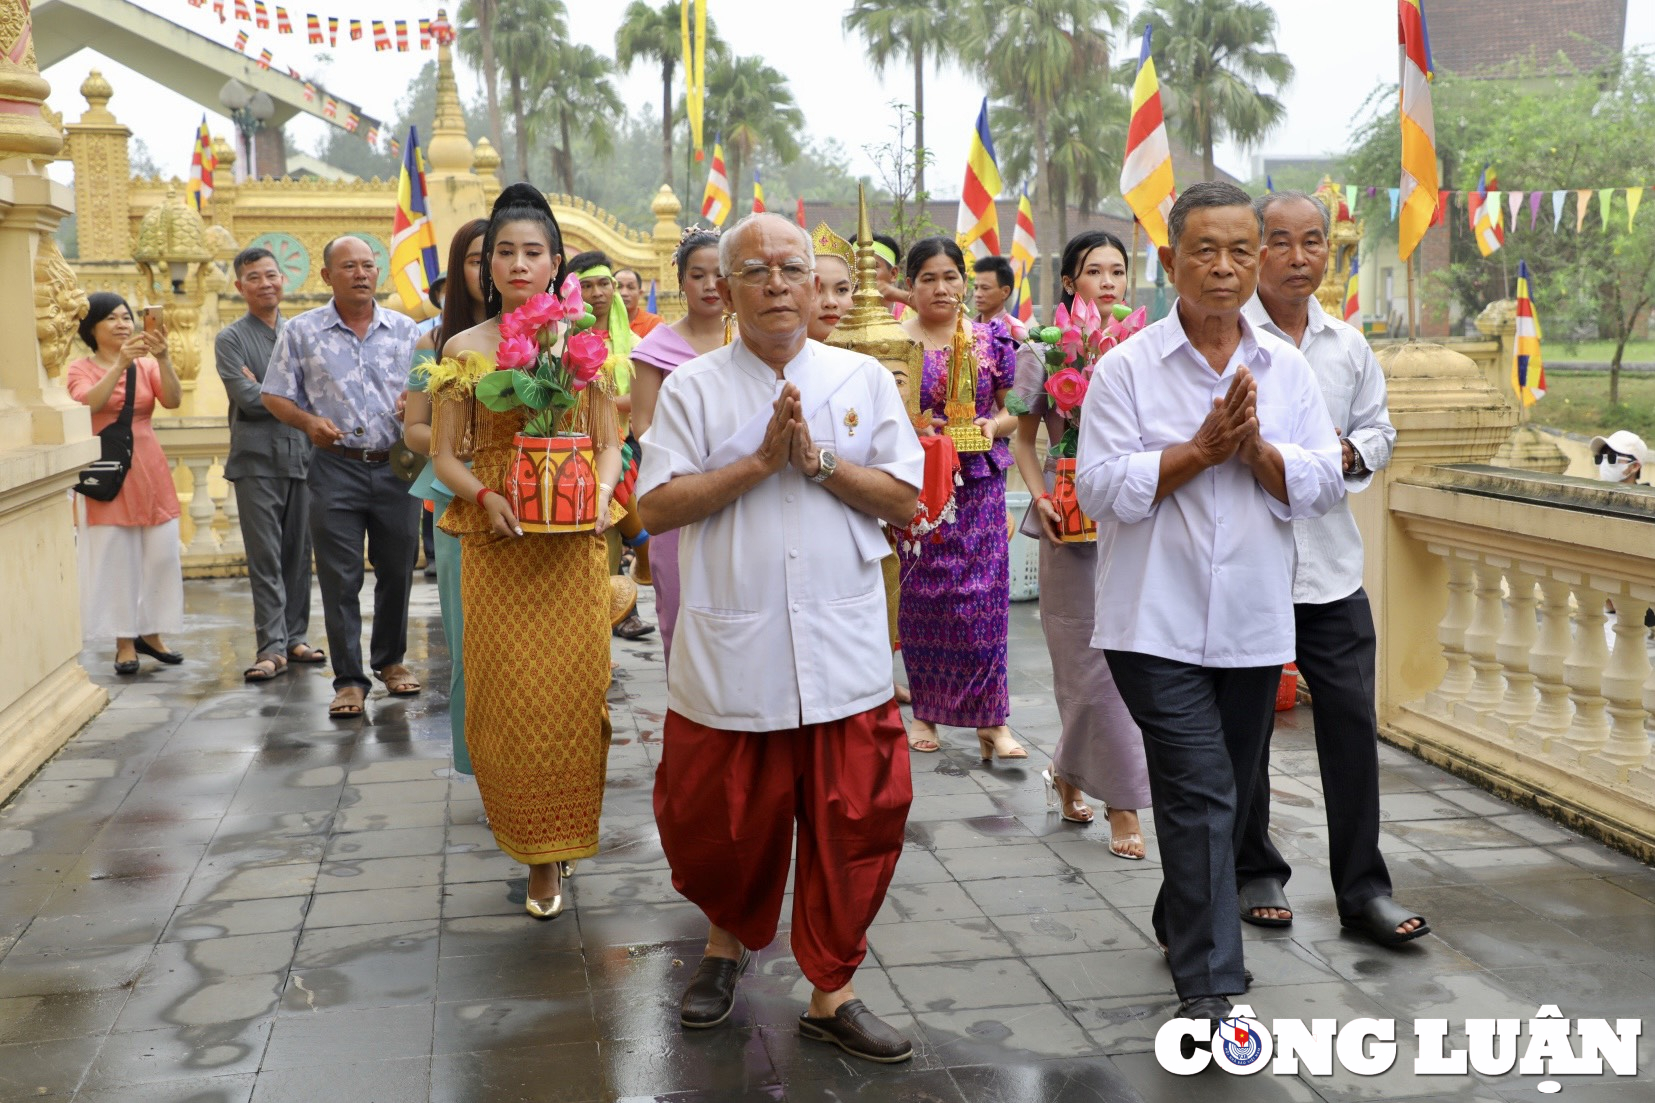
825	243
692	229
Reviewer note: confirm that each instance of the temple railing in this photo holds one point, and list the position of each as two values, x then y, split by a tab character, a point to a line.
1546	689
209	527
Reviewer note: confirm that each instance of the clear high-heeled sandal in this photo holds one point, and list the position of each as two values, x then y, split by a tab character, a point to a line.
1074	810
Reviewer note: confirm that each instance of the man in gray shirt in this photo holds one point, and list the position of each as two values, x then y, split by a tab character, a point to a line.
267	464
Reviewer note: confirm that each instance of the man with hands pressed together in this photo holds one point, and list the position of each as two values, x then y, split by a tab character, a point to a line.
339	375
1203	439
777	457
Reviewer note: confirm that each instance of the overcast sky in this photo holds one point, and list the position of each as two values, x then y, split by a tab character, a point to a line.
803	39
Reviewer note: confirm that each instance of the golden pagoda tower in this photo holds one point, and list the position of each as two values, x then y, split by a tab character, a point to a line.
870	329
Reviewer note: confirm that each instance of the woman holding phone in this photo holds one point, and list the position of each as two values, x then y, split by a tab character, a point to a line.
132	581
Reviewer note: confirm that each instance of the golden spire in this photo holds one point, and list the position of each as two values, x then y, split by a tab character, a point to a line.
448	149
870	329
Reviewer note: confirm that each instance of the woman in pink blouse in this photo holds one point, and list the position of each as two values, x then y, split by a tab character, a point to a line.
132	583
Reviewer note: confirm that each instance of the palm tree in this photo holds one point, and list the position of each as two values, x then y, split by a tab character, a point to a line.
1211	55
579	95
527	34
654	34
1036	56
752	106
1085	143
910	29
476	42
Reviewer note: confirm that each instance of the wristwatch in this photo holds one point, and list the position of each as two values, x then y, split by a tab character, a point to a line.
829	464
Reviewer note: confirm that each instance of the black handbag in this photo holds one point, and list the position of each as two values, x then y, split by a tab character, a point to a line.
102	481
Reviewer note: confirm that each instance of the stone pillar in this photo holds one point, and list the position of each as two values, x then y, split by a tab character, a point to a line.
45	437
1445	411
270	152
666	209
103	176
454	191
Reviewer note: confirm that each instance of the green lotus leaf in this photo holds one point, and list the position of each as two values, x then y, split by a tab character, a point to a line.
497	391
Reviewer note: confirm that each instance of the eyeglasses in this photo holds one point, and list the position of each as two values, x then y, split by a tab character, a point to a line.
794	272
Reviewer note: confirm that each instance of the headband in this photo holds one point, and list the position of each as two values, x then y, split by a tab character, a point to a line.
883	252
599	271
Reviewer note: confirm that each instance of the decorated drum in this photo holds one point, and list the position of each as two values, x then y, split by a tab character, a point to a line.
1073	525
552	484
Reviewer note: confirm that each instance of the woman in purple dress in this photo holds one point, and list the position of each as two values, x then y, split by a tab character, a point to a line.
699	331
1101	750
956	584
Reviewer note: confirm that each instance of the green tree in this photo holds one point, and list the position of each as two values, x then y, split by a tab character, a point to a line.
526	36
1543	132
1053	90
655	35
1212	56
1086	141
752	106
579	97
915	30
475	38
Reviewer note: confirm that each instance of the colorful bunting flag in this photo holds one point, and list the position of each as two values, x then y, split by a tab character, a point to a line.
352	121
425	34
1146	172
373	135
382	40
1605	197
310	92
1528	372
758	193
1350	198
202	164
1419	127
1396	198
1023	253
242	13
413	239
1514	200
1485	214
1634	196
1353	305
313	29
402	36
715	199
798	216
356	29
333	30
241	41
1441	212
218	9
977	227
1582	197
283	24
261	16
1534	209
330	107
264	59
1557	208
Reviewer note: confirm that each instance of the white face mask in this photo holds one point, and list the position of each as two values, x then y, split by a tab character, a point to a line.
1613	472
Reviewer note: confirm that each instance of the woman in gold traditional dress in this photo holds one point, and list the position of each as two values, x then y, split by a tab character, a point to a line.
536	607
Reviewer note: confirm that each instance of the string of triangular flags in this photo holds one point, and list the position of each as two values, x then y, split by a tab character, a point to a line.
387	34
1508	206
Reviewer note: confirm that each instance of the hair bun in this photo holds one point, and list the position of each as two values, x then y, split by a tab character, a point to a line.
521	195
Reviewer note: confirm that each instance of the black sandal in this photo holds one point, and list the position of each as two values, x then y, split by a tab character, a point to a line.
171	658
1263	892
1379	919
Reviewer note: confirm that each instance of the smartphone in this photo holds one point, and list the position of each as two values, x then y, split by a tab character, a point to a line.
152	319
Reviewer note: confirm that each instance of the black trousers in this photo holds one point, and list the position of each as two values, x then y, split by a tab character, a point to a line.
1205	731
351	501
1336	657
275	530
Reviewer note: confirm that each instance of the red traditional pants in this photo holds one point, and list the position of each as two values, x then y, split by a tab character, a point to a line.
726	803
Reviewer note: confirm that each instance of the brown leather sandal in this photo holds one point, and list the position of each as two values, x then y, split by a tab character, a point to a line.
348	703
264	668
399	681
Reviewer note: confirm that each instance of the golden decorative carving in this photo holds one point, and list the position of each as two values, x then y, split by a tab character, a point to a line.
870	329
23	128
182	315
485	162
1344	238
59	305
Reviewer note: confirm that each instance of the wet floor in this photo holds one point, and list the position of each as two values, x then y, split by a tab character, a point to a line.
215	894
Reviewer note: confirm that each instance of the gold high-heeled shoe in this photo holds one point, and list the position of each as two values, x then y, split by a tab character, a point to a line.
551	907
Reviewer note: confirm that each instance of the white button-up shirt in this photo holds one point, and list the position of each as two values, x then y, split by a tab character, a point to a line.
1204	576
782	621
1353	386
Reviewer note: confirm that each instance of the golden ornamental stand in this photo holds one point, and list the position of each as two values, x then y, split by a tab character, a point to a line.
961	405
871	330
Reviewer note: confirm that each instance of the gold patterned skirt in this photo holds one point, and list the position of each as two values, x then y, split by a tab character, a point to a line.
537	674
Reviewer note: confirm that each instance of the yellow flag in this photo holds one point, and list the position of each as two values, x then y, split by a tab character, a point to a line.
1634	196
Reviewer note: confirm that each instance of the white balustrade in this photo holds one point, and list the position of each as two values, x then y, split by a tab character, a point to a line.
202	542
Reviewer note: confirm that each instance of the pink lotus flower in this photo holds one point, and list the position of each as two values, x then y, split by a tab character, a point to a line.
513	325
573	305
517	352
1068	391
541	310
584	355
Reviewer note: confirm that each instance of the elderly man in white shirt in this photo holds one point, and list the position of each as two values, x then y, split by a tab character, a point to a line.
1332	620
777	457
1201	440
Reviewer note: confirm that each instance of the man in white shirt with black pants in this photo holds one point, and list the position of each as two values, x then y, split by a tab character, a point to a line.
1332	620
777	457
1201	440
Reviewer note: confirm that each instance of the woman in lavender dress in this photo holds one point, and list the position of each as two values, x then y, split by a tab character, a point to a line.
1101	750
956	587
699	331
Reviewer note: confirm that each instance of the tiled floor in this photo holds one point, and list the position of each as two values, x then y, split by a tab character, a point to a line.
214	895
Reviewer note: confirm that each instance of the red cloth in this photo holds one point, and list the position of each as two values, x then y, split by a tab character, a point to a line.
726	803
936	496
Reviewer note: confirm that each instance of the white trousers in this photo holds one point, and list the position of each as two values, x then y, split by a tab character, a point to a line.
131	581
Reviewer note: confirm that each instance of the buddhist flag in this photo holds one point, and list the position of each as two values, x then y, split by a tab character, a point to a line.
352	121
333	30
1528	373
1485	214
396	147
425	34
241	11
330	107
202	164
264	59
218	10
261	16
373	135
382	39
1023	253
977	229
413	239
402	36
283	24
356	29
1353	304
1419	128
1146	174
758	193
798	215
241	41
313	30
310	92
715	200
